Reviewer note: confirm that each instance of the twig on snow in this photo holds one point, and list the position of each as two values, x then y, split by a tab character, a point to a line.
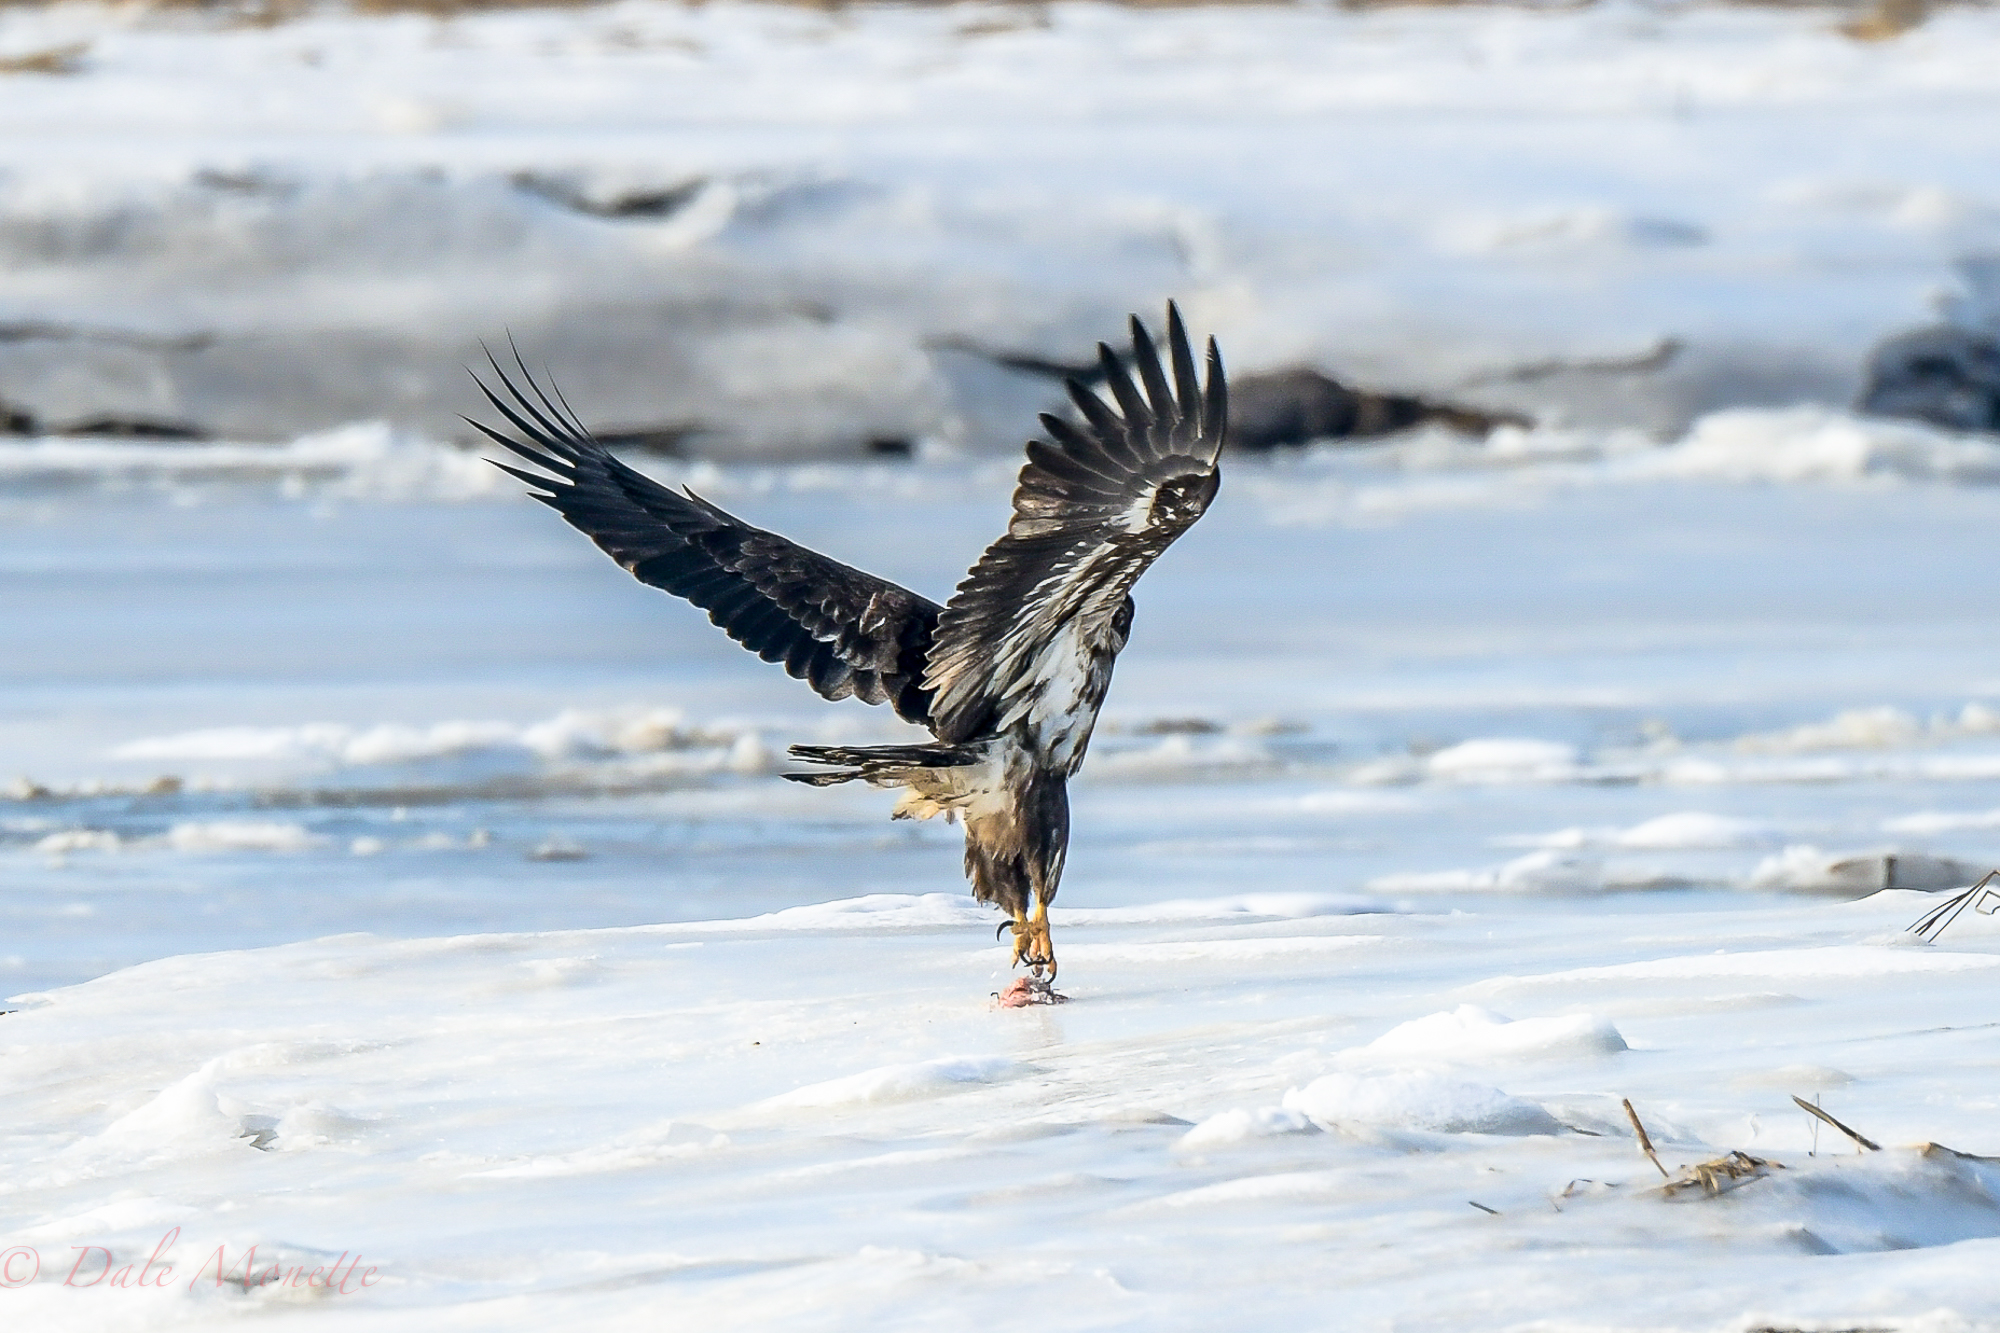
1645	1140
1984	900
1867	1144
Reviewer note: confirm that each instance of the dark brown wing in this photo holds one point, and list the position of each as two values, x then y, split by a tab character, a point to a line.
1096	505
841	631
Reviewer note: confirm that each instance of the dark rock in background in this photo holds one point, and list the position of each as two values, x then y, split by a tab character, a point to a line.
1947	376
16	420
1279	408
659	202
1300	405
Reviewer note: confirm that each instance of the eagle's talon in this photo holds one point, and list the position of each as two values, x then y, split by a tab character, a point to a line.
1032	946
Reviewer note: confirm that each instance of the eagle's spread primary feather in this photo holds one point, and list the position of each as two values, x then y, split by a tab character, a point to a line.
1009	674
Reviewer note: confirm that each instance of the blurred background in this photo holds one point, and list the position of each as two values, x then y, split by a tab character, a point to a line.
1615	388
786	231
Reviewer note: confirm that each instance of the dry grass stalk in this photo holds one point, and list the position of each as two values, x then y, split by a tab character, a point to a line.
270	13
1981	898
1442	4
1645	1140
1867	1144
1939	1150
445	8
1721	1174
1887	19
54	60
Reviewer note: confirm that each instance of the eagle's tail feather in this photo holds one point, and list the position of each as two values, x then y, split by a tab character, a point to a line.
879	765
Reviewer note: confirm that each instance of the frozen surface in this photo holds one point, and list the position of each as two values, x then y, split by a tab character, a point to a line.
385	875
1439	806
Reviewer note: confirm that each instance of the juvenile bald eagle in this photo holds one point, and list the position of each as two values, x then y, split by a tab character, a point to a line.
1008	674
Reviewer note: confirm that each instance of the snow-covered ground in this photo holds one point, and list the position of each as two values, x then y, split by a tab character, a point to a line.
389	883
1259	1112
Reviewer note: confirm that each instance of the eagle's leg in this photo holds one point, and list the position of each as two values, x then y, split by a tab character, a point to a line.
1014	857
1031	941
1045	804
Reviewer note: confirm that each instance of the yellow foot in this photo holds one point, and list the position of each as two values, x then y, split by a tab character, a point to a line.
1032	945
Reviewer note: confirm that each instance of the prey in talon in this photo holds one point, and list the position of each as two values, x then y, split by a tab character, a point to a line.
1007	675
1026	991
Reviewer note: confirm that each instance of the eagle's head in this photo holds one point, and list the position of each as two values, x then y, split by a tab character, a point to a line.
1184	497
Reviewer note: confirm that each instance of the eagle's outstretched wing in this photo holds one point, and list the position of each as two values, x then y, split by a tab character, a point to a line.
841	631
1096	505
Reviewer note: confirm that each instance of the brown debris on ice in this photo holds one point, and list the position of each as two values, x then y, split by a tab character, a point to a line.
1721	1174
1026	991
